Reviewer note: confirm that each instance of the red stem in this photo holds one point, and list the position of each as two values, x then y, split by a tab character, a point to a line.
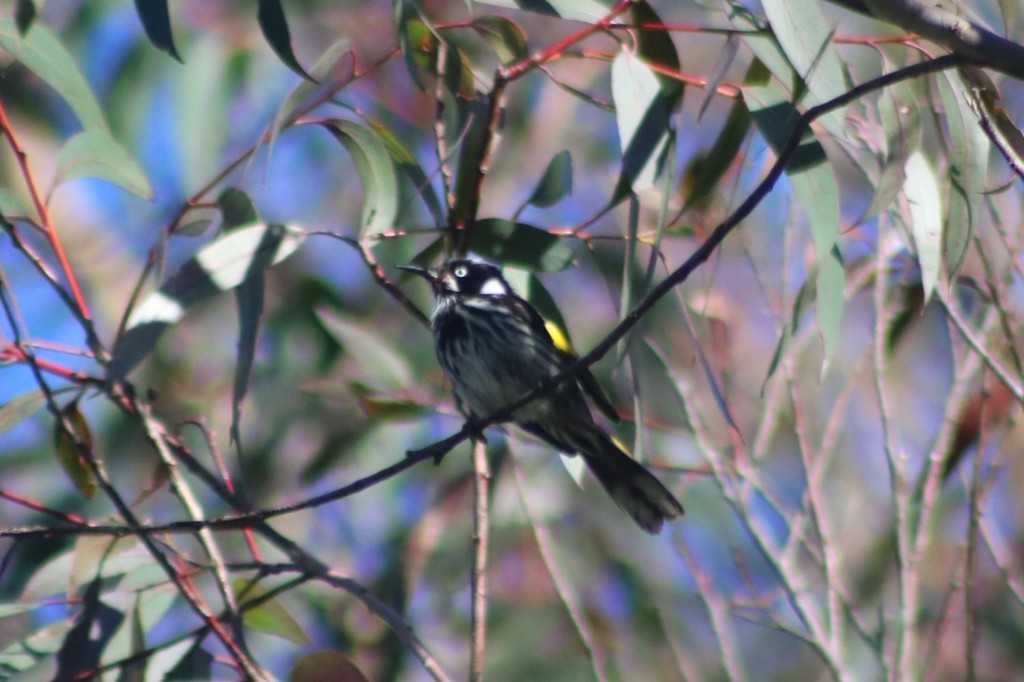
44	215
553	51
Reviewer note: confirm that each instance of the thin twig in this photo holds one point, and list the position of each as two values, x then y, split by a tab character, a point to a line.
49	231
481	534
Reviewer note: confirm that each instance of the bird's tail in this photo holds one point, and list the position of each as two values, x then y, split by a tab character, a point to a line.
634	488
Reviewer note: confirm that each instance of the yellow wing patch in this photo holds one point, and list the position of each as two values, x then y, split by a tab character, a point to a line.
558	337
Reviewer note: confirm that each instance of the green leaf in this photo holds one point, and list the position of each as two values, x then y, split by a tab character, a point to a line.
68	455
780	63
383	407
1003	130
519	244
504	36
806	38
968	157
472	142
8	610
195	662
42	53
219	266
815	186
411	31
1009	9
249	295
576	10
275	29
376	172
334	68
380	366
156	21
95	624
236	209
95	154
555	184
656	46
32	647
96	556
19	409
902	123
408	165
11	205
326	666
271	617
24	15
721	156
642	112
925	199
201	96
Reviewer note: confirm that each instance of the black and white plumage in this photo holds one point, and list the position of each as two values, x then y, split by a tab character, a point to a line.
494	347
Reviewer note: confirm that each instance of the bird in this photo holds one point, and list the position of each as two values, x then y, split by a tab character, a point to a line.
494	347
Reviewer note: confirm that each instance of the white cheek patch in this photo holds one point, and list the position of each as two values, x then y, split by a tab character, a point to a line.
493	287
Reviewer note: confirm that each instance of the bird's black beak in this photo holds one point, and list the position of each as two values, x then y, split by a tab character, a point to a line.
426	274
422	272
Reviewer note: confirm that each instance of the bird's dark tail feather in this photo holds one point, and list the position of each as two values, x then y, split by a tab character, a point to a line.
634	488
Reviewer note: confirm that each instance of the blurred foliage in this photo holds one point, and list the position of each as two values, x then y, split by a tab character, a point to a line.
834	395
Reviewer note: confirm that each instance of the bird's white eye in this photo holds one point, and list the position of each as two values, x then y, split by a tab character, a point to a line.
460	271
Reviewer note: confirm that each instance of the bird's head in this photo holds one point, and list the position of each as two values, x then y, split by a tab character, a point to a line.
463	277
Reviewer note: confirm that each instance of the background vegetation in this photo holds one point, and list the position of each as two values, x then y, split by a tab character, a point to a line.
789	233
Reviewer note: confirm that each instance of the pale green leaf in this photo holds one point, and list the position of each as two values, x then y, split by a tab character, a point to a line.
200	104
95	154
806	53
806	38
43	54
504	36
19	409
376	172
101	556
271	616
925	200
817	191
512	243
67	450
219	266
381	366
577	10
11	205
26	653
556	183
641	113
902	123
968	157
326	666
332	71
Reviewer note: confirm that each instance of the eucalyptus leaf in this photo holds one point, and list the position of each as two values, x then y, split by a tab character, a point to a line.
44	54
274	25
376	171
156	21
519	244
925	200
815	186
95	154
556	183
220	266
